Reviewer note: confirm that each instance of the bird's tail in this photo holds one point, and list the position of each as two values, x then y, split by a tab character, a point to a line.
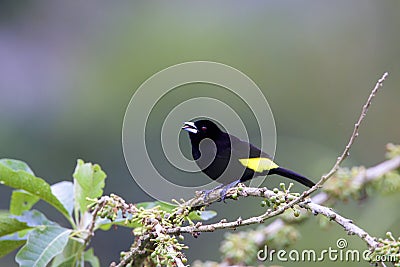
292	175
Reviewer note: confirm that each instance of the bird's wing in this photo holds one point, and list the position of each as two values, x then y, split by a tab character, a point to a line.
251	156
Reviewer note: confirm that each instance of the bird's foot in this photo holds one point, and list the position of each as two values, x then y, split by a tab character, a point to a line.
226	188
208	192
223	192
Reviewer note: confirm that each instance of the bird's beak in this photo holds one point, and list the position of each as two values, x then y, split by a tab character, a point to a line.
190	127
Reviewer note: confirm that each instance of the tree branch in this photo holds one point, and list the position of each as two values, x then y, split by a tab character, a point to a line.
301	200
199	199
360	180
90	228
313	205
286	199
346	151
308	204
377	171
347	224
354	135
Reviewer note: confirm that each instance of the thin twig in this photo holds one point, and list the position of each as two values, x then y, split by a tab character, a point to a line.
92	224
315	208
347	224
133	252
199	200
159	232
301	199
359	181
346	151
354	135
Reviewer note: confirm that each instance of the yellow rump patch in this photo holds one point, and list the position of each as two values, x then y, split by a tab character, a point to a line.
259	164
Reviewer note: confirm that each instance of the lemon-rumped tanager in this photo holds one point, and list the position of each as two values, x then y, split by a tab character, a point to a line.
229	160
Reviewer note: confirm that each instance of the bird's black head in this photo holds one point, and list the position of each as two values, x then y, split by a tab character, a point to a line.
202	129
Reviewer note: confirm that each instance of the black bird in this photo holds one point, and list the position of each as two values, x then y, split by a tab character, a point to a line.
229	160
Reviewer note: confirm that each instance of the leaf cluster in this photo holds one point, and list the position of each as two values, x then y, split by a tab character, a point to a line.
41	241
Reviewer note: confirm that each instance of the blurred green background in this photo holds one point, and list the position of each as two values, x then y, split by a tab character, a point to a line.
69	68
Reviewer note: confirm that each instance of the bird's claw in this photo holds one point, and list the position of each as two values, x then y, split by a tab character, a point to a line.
207	194
223	192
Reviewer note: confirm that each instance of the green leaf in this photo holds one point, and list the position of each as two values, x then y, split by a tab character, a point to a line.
43	244
88	182
66	262
7	246
64	192
22	201
70	255
202	215
17	165
9	225
33	218
91	258
21	179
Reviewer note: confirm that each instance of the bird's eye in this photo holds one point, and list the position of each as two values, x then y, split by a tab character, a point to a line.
204	128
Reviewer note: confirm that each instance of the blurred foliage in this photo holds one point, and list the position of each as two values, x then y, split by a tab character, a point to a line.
243	247
342	187
389	250
390	182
